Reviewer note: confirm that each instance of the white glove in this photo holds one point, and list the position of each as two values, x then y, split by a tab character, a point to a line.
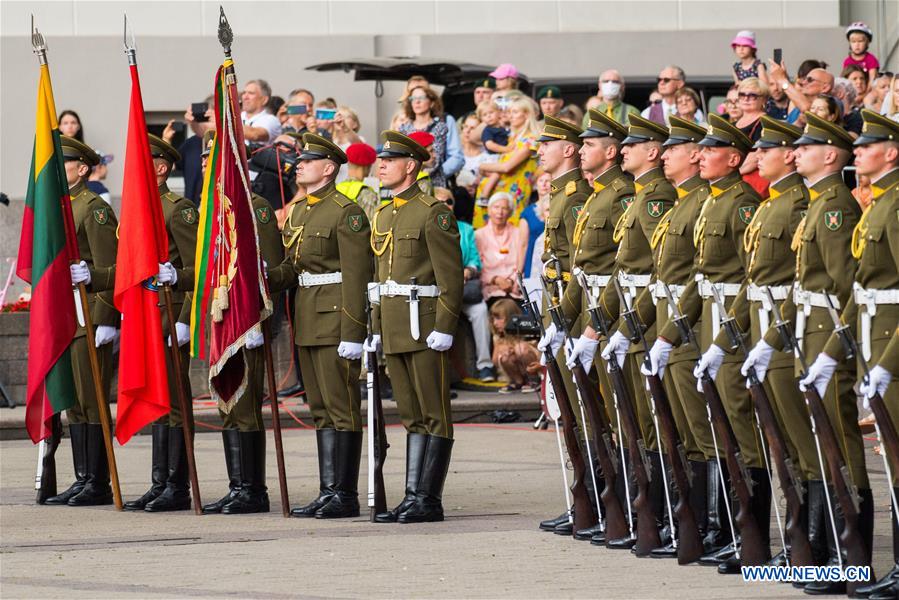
551	339
167	274
254	338
80	273
878	381
583	351
182	334
373	344
439	342
658	358
819	374
104	334
618	344
758	358
349	350
709	363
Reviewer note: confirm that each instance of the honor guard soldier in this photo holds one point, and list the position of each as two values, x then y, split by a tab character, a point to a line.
594	252
169	477
326	238
243	431
418	272
642	158
95	229
558	154
872	310
721	269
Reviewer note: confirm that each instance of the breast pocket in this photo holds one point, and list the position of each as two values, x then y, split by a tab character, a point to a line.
716	242
627	229
408	242
315	240
677	243
553	231
772	246
876	252
598	233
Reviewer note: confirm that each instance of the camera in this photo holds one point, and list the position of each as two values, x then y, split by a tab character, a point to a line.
525	326
274	165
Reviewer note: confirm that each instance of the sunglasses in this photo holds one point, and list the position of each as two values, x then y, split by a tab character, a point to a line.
810	79
667	79
748	96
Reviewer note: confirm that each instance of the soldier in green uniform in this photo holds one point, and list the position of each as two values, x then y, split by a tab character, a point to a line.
594	252
768	241
326	237
721	262
95	228
558	154
418	272
243	431
169	477
642	158
872	309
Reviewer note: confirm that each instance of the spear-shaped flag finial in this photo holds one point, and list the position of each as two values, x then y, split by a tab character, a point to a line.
38	43
226	36
130	49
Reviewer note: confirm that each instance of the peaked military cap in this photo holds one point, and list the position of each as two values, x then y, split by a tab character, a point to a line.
819	131
72	149
777	134
556	129
877	128
396	145
487	82
602	125
315	147
159	148
722	134
643	130
683	132
549	91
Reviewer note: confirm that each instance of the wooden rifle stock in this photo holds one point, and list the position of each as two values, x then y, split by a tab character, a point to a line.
377	431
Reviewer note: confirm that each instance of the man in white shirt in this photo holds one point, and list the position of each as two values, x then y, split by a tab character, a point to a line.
259	125
670	80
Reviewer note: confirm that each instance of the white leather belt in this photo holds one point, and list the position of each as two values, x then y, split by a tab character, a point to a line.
658	293
757	293
867	301
630	282
596	284
313	279
806	300
725	289
392	288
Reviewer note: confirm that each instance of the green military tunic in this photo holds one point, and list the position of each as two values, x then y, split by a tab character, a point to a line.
327	233
722	258
95	231
416	235
825	264
181	222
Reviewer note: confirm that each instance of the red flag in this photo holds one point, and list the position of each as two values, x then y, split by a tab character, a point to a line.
143	244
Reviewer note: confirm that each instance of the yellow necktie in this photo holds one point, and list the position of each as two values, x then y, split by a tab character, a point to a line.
609	111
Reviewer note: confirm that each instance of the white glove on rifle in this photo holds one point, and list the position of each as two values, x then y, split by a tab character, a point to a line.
439	342
80	273
373	344
618	344
167	274
349	350
182	334
583	351
877	383
709	363
819	374
758	358
104	334
658	358
551	339
254	339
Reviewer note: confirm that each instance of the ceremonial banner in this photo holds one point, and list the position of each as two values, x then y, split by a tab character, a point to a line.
143	244
231	298
46	248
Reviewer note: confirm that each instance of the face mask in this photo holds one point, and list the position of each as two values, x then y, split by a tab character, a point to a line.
610	89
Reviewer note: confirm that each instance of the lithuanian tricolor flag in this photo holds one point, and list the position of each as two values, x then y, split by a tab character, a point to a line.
45	250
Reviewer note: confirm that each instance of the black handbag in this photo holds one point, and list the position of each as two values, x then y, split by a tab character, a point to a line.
471	292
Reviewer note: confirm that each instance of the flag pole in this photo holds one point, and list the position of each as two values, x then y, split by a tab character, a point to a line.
177	367
276	416
40	48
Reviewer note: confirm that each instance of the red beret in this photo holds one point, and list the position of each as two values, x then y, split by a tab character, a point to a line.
423	138
360	154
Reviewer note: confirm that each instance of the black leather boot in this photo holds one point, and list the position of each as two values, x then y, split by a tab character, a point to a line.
890	593
598	527
231	444
345	501
760	510
834	520
97	490
159	467
253	494
891	579
47	465
699	494
416	448
176	495
718	541
326	442
668	549
428	505
78	435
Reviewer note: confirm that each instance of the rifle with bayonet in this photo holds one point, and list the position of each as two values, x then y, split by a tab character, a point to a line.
583	508
753	550
689	540
377	436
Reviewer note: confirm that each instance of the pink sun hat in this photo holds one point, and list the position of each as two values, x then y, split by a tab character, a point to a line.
505	70
744	38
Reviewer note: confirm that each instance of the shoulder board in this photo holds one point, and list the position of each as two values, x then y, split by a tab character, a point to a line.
427	200
830	193
620	184
341	200
649	187
796	194
171	197
570	188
